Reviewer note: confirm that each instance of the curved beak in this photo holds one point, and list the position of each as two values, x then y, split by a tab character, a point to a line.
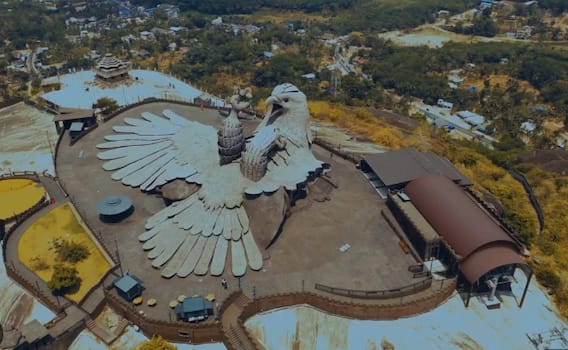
273	107
271	100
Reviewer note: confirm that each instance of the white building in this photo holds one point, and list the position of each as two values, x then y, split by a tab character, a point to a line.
528	126
471	118
445	104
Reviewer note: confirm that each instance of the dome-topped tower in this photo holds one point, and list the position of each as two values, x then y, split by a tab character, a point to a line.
231	136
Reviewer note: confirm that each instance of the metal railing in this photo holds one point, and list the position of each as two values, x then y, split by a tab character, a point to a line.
377	294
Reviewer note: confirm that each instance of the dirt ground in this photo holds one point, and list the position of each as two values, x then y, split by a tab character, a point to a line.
550	160
17	121
306	252
24	135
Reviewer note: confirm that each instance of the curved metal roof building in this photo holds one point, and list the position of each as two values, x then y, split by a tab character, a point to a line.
475	236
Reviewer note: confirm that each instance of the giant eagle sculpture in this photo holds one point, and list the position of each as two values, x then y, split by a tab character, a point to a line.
195	235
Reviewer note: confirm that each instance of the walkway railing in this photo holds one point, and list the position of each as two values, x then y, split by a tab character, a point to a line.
377	294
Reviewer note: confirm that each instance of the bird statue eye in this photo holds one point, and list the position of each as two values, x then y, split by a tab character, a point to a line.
286	99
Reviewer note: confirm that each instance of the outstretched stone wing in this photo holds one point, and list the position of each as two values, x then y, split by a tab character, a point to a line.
153	150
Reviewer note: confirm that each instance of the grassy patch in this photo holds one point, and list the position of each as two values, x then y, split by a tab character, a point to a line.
61	225
18	195
363	122
551	247
275	16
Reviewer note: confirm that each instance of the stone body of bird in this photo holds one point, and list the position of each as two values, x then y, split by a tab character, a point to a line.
199	233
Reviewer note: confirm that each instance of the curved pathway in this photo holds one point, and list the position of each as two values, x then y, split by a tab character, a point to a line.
72	313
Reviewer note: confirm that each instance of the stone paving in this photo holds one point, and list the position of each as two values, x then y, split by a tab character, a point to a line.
306	252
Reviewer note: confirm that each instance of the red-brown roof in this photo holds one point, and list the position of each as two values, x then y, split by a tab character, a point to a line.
486	259
463	224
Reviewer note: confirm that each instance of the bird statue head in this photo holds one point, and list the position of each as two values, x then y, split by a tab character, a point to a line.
241	99
287	111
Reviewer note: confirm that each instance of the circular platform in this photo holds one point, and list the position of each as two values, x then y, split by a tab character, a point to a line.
114	205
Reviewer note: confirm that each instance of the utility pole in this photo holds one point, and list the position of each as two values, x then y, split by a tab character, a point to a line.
51	151
335	81
118	258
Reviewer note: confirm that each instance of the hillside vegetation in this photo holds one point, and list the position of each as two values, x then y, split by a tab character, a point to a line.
551	247
346	15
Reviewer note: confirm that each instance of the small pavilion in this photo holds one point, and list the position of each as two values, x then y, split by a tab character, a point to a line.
194	309
128	287
111	69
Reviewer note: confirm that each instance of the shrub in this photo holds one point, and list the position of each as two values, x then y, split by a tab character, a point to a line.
156	343
38	263
69	251
549	278
387	345
63	279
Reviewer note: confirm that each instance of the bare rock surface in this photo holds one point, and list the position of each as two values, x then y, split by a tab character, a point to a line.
178	190
266	214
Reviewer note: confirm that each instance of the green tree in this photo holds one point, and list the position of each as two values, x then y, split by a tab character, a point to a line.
63	279
484	26
107	104
69	251
282	68
156	343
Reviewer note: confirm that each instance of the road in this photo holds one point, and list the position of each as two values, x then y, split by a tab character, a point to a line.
30	62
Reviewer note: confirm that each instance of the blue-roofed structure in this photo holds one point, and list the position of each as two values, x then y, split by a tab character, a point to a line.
76	129
194	309
129	286
471	118
268	54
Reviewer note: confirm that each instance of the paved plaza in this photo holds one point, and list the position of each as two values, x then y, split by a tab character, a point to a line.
306	252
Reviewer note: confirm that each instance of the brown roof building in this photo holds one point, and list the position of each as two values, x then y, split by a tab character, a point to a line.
469	240
394	169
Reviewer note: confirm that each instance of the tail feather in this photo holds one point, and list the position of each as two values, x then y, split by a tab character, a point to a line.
238	258
220	257
176	262
205	259
254	256
187	238
191	260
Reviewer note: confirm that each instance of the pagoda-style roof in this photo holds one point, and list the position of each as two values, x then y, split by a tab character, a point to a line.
110	66
110	62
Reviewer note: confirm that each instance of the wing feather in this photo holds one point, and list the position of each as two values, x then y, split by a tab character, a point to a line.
171	245
176	262
191	260
203	263
220	257
176	118
253	253
140	176
136	152
137	165
125	137
238	258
